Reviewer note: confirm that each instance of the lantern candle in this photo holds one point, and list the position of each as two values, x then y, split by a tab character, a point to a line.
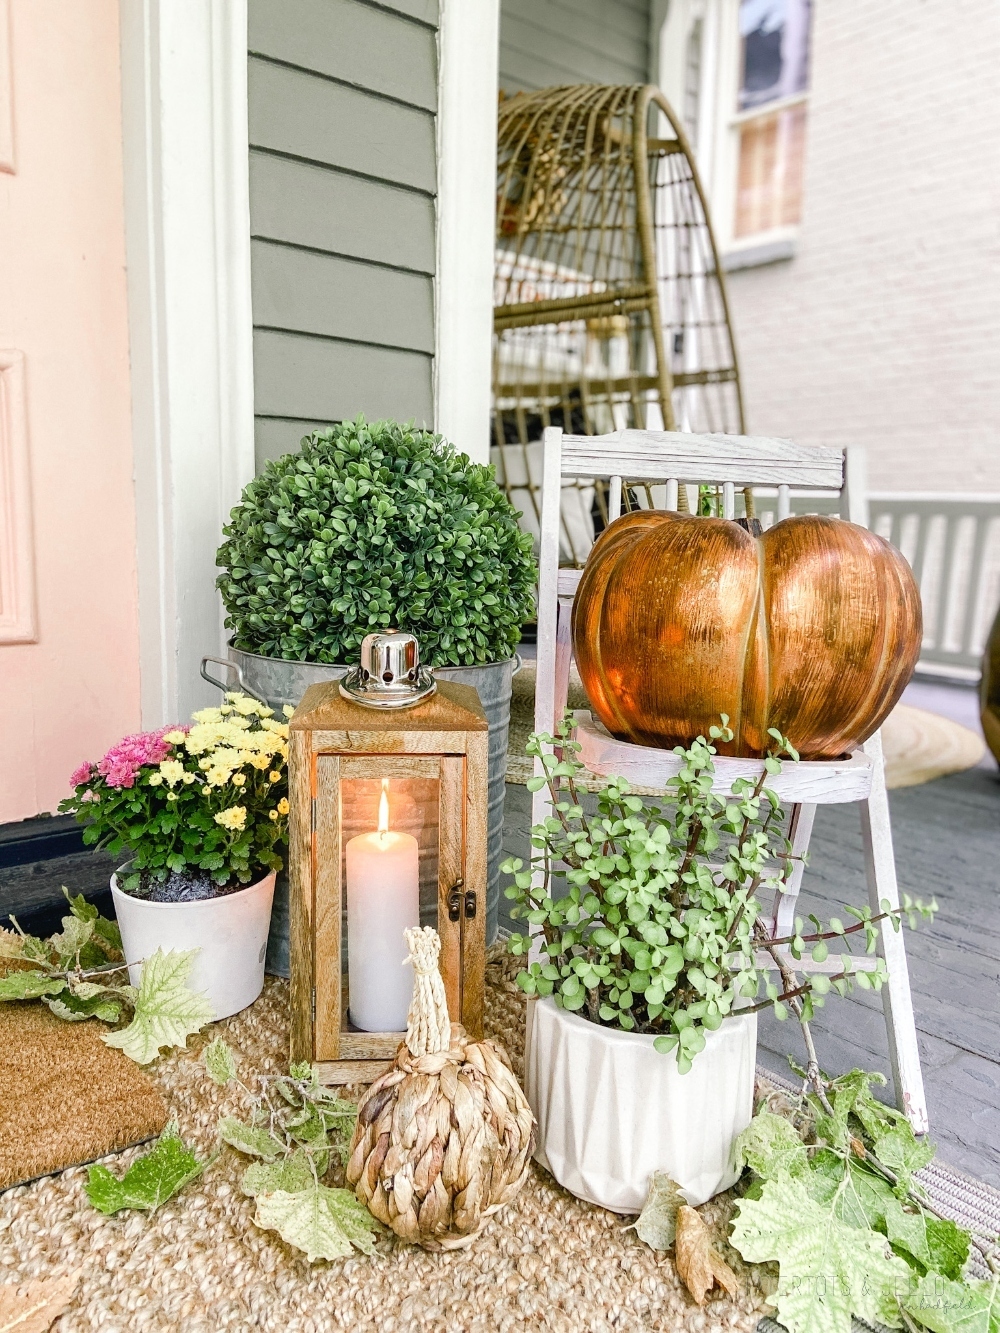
383	900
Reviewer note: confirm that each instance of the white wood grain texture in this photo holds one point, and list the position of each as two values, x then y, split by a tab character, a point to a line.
820	782
548	610
614	499
897	1002
799	833
569	581
728	500
830	966
854	497
548	579
745	460
784	503
670	500
17	547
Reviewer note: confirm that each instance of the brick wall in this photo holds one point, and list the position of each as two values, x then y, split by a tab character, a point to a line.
884	329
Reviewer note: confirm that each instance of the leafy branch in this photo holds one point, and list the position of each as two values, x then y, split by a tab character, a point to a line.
71	973
296	1129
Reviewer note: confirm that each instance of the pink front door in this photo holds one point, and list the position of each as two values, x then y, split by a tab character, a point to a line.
69	649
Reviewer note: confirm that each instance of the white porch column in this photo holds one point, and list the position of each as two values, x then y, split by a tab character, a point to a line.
187	218
468	49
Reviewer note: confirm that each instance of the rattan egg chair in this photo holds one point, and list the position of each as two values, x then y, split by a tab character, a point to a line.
610	307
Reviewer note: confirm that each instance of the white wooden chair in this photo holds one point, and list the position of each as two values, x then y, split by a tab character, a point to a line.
667	459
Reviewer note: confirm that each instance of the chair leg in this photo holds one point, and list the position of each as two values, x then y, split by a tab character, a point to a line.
799	832
897	1002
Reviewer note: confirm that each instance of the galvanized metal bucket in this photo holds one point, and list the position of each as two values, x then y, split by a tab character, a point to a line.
277	682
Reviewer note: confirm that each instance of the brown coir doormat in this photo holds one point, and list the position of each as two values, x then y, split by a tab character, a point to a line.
65	1097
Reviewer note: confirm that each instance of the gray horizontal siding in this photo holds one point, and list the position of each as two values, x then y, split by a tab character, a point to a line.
318	379
343	176
351	41
313	206
332	297
425	11
549	42
304	116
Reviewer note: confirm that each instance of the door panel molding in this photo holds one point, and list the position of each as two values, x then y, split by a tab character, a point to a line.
17	549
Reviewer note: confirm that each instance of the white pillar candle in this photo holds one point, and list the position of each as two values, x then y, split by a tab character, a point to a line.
383	900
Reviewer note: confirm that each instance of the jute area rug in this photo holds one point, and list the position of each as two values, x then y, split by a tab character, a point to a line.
547	1262
917	745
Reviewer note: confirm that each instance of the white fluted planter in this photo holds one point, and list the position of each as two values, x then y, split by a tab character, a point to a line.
611	1110
230	934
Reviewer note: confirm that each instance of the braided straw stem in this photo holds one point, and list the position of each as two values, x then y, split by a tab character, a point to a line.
428	1027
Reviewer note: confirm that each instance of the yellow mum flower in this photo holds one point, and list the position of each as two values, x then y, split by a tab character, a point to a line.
175	737
288	710
207	715
283	806
273	815
261	761
155	779
171	796
274	777
239	780
234	818
188	779
172	770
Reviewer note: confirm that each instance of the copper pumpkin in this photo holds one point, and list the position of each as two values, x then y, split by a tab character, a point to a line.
813	628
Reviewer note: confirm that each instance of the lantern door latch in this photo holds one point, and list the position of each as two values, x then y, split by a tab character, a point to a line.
459	901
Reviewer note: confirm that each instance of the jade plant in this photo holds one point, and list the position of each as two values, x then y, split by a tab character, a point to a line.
371	527
648	917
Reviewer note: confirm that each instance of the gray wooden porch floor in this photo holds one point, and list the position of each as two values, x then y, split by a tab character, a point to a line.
947	841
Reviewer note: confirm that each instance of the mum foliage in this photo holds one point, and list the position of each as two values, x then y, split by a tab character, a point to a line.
371	527
661	925
207	799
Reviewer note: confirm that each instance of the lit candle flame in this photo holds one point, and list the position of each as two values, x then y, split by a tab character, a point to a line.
383	809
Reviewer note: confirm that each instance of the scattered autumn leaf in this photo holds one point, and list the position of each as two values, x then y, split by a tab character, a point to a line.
699	1266
33	1307
657	1222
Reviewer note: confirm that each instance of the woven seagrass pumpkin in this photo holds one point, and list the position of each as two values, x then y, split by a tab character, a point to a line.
444	1138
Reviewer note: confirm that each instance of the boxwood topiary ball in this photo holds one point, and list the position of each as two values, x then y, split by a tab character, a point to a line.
370	527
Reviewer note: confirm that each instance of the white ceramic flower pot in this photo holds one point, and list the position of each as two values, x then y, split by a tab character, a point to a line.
229	932
611	1110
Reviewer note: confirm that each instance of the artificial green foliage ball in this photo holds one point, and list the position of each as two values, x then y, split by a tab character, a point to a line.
372	527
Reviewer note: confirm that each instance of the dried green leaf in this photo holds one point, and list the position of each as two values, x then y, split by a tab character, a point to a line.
253	1140
325	1223
770	1147
29	985
151	1179
936	1244
657	1223
956	1307
219	1061
827	1268
291	1175
166	1011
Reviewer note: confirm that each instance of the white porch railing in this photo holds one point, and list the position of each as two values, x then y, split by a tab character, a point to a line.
952	543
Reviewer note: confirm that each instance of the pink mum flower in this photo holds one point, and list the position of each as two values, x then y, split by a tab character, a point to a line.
81	774
123	761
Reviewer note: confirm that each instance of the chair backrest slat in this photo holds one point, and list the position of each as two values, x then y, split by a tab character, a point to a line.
664	456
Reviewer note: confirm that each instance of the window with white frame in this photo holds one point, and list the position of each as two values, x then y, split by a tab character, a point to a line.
738	73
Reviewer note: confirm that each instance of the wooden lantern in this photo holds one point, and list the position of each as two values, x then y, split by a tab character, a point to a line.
427	765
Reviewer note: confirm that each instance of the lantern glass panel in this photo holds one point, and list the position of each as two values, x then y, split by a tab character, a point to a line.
390	873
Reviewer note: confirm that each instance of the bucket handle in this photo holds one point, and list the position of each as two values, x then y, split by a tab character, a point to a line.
224	687
518	664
